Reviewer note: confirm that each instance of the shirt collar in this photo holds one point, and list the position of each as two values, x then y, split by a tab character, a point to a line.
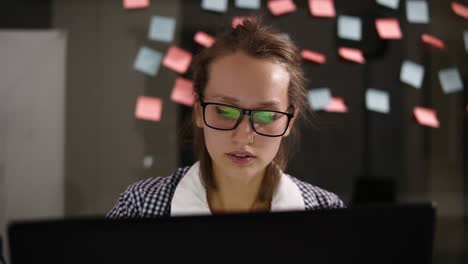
190	195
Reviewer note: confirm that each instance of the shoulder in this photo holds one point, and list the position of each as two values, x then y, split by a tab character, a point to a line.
316	197
148	198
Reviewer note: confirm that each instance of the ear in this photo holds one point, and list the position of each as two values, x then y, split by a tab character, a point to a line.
198	113
291	123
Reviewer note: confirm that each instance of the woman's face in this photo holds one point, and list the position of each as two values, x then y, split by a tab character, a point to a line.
249	83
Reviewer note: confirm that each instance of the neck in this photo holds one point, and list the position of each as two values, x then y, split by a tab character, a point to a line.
236	194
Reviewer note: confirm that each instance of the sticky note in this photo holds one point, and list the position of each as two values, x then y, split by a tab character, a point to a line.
204	39
417	11
450	80
352	54
162	28
148	108
281	7
183	92
388	28
460	9
177	59
433	41
393	4
322	8
313	56
248	4
465	39
286	36
147	61
426	116
148	162
412	73
319	98
337	105
239	20
378	101
349	27
220	6
135	4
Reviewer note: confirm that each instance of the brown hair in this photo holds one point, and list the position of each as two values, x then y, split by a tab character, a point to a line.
259	41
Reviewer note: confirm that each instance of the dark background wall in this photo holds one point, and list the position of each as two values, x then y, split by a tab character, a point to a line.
105	145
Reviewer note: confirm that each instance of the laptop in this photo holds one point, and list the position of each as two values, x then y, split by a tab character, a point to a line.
367	234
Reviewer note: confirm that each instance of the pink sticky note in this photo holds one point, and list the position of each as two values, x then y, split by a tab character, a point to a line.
239	20
182	92
281	7
313	56
135	4
388	28
351	54
460	9
148	108
204	39
337	105
177	59
322	8
433	41
426	116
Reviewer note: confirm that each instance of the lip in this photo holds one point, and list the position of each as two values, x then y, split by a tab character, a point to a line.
238	160
245	153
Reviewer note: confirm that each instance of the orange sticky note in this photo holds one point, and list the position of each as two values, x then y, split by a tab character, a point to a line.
313	56
352	54
426	116
460	9
388	28
148	108
177	59
433	41
135	4
322	8
281	7
204	39
239	20
337	105
182	92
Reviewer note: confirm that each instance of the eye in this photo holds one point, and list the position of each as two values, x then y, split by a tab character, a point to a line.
228	112
265	117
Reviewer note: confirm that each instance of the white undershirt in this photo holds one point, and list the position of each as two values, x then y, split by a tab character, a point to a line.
190	195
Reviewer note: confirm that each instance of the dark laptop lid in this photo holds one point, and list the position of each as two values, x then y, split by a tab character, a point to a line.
371	234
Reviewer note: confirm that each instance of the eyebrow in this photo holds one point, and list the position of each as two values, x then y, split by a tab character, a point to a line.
271	103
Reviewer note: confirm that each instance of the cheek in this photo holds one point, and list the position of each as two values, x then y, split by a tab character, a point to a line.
213	141
268	147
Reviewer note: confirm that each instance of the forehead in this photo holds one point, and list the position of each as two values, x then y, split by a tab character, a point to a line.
247	80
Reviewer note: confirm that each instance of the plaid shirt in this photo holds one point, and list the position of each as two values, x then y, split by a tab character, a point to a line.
152	197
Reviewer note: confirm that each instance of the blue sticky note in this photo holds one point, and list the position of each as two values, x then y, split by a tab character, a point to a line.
319	98
417	11
162	28
148	61
378	101
248	4
450	80
412	73
393	4
215	5
349	27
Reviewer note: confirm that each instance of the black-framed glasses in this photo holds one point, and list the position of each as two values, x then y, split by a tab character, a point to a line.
268	123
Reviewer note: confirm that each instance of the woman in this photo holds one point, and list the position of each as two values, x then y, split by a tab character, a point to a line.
250	91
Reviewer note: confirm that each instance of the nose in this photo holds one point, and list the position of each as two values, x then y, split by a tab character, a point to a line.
243	132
